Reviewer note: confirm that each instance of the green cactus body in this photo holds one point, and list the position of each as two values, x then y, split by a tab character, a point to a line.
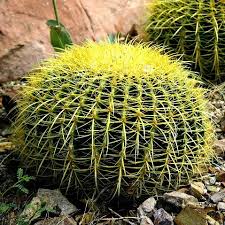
195	29
114	118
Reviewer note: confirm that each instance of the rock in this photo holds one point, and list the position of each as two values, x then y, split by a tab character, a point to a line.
217	216
198	189
211	221
222	125
85	19
18	61
219	147
220	176
54	198
183	190
211	188
191	216
223	184
147	208
218	197
146	221
63	220
161	217
32	211
212	180
175	201
221	206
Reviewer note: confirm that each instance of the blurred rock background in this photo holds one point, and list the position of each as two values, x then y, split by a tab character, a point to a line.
24	35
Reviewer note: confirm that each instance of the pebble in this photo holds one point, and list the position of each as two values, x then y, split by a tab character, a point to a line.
213	188
221	177
54	198
191	216
218	197
197	189
146	221
179	199
216	107
212	180
221	206
147	208
161	217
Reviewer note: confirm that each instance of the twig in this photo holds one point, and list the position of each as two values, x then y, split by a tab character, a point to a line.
126	219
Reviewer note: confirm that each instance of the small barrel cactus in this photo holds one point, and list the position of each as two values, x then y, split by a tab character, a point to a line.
115	119
193	28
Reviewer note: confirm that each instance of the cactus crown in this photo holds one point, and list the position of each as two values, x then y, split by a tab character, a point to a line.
113	117
194	29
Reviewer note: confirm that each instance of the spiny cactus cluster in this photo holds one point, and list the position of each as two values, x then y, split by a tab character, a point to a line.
114	119
193	28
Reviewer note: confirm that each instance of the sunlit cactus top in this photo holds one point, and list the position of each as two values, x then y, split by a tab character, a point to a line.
114	119
193	28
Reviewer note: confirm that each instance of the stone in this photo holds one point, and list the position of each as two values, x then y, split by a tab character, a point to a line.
221	206
54	198
191	216
197	189
221	176
222	125
217	216
147	208
212	180
175	201
213	188
24	33
218	197
31	211
146	221
211	221
62	220
183	190
219	147
20	60
161	217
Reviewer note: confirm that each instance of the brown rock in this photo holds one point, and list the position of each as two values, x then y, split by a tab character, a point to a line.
191	216
221	176
219	147
24	33
179	199
198	189
20	60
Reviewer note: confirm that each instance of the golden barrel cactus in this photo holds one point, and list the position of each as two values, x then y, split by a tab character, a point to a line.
193	28
115	119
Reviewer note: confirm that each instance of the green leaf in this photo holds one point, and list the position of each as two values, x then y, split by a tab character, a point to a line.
27	178
59	35
19	173
5	207
22	188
